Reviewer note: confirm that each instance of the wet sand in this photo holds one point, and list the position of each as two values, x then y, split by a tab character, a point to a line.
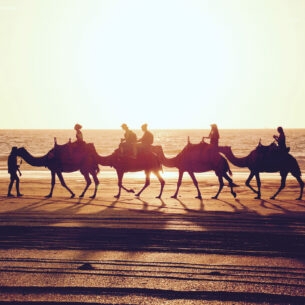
152	251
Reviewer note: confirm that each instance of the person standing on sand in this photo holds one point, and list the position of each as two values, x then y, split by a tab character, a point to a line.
13	167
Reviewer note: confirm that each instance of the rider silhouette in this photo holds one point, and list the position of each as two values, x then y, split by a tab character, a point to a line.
147	138
213	135
128	143
281	140
79	135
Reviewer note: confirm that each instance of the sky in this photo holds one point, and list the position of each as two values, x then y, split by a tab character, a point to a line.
168	63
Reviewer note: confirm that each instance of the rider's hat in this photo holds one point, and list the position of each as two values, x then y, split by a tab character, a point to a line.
78	126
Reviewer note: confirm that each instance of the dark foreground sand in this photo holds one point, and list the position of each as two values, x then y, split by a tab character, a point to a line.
151	251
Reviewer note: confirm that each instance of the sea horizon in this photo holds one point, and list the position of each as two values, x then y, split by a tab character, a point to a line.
39	141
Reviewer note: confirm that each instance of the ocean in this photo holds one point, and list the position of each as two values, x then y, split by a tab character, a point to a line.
242	141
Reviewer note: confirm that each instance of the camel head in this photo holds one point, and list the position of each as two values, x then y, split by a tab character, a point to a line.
225	149
34	161
21	151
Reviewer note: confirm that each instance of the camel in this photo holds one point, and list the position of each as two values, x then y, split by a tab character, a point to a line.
266	159
67	158
198	158
145	160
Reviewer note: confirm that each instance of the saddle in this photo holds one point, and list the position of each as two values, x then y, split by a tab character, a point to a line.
271	149
126	150
271	153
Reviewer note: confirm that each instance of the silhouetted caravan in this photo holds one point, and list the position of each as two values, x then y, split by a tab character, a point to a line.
198	158
69	157
266	159
144	161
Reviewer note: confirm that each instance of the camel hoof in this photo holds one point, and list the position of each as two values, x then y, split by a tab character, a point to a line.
198	197
81	196
131	191
215	197
174	196
273	197
158	197
72	196
137	195
92	197
117	196
48	196
299	198
234	194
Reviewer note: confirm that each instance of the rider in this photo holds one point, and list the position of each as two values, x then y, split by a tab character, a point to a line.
129	141
213	135
281	140
147	138
79	135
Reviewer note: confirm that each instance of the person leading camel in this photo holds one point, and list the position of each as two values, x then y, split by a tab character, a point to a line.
13	168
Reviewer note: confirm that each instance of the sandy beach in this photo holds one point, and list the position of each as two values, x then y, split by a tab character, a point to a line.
152	251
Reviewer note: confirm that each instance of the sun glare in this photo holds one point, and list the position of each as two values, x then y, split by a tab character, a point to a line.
172	64
144	64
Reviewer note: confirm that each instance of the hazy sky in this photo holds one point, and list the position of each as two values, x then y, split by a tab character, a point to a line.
171	64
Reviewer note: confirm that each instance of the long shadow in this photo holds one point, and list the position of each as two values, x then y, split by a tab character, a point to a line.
126	229
166	294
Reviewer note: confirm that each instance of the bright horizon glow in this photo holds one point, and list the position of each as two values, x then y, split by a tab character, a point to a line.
172	64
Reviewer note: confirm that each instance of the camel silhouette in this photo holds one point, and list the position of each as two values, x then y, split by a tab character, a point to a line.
67	158
266	159
145	160
198	158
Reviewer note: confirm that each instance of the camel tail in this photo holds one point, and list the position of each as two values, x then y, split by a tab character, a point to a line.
230	172
228	167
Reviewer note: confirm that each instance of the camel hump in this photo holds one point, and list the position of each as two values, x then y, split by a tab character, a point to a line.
271	149
271	154
198	147
74	149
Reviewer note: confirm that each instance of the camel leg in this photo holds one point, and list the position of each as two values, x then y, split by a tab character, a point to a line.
52	185
258	181
120	179
178	184
283	183
221	184
297	175
147	183
88	183
231	184
192	175
162	182
301	183
96	183
63	183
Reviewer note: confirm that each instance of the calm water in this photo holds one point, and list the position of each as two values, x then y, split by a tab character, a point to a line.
39	142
